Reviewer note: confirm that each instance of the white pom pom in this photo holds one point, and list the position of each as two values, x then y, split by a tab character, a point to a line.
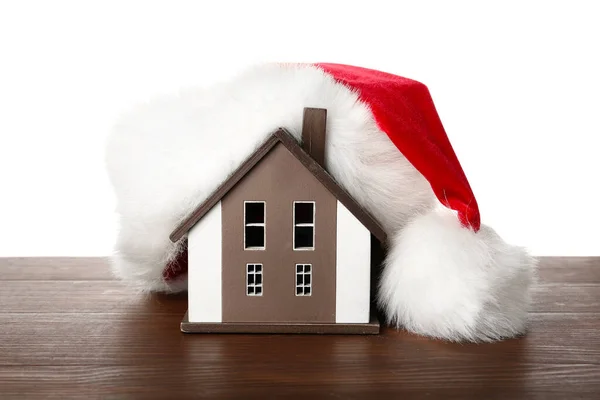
445	281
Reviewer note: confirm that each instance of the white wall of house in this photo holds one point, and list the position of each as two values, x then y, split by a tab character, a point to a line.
353	264
204	270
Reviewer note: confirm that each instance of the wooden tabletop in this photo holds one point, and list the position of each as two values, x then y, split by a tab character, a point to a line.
68	330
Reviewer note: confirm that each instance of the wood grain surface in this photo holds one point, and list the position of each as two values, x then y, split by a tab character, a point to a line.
68	330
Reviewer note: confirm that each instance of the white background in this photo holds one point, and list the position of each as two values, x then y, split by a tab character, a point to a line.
516	85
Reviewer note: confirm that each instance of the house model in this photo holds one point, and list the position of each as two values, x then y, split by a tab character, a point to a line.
280	247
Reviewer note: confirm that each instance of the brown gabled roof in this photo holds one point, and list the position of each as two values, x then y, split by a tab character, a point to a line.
283	137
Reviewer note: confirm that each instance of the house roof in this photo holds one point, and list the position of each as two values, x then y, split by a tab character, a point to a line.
283	137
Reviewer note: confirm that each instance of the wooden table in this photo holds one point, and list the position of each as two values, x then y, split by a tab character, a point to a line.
67	329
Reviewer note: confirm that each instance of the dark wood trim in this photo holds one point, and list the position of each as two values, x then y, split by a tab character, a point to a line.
314	128
284	137
370	328
222	190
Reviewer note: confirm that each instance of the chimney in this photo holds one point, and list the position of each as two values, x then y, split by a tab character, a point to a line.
314	123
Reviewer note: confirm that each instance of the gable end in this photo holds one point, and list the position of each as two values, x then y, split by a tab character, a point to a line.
285	138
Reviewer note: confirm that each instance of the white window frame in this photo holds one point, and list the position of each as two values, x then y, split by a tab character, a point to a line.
255	285
294	225
303	274
263	224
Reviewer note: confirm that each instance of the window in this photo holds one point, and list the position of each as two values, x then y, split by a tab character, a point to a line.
254	225
304	225
254	281
303	279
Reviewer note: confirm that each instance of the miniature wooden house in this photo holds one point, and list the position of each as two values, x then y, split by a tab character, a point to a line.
280	246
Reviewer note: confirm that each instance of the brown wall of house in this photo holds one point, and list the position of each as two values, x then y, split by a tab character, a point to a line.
279	180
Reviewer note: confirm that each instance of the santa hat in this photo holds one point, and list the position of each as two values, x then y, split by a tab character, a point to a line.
445	275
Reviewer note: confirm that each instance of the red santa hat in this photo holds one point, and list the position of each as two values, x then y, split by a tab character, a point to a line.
446	275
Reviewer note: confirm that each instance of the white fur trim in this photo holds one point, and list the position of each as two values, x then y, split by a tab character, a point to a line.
144	280
446	281
167	156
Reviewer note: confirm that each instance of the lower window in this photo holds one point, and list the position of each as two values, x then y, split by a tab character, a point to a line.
254	281
303	279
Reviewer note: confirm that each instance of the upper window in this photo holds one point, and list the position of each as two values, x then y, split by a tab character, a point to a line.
254	225
304	225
